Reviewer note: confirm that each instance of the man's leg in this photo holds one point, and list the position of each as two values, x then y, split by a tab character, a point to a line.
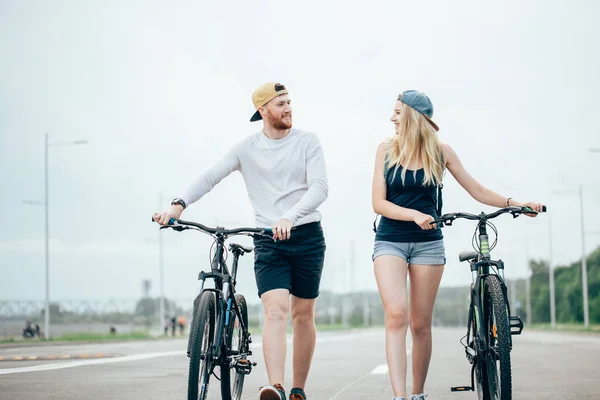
307	266
305	335
276	305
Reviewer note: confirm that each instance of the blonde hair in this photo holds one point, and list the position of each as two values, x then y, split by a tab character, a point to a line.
416	140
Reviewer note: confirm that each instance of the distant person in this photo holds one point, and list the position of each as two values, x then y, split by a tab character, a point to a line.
408	172
37	330
181	321
166	323
28	331
173	325
285	175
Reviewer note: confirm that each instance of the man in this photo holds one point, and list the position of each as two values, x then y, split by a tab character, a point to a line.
285	175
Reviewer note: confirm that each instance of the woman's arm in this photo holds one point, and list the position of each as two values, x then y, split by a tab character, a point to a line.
474	188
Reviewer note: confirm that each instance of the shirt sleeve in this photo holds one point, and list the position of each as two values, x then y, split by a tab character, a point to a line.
316	179
208	180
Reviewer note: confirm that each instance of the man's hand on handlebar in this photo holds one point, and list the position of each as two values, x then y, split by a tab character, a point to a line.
164	217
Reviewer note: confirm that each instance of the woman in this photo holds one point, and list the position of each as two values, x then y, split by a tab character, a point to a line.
408	170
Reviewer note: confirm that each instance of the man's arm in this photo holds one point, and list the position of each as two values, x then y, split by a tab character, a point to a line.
202	185
208	180
316	178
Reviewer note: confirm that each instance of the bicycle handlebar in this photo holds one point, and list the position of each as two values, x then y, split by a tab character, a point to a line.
447	219
180	225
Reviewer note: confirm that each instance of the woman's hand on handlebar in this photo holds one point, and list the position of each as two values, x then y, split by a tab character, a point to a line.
164	217
424	221
537	207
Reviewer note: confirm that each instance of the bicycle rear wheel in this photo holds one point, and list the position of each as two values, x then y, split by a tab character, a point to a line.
480	378
201	344
497	368
232	379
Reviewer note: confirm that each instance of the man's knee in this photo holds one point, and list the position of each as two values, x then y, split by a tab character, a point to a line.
303	312
276	308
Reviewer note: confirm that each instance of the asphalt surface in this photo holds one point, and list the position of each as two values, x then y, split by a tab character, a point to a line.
347	365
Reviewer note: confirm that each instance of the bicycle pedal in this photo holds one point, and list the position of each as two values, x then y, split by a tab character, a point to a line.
461	389
244	366
516	325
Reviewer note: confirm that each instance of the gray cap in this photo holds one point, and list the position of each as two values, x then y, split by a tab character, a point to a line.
420	102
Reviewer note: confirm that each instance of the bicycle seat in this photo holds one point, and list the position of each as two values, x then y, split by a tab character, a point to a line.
241	248
467	255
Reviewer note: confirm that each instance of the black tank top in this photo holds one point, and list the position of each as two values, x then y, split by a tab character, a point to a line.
412	194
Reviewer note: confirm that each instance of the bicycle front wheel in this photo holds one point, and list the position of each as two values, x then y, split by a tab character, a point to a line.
232	378
497	330
201	345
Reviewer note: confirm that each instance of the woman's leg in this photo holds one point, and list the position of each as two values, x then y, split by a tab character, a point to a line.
424	283
390	273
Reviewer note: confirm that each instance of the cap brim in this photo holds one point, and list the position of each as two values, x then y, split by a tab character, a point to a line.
256	117
432	123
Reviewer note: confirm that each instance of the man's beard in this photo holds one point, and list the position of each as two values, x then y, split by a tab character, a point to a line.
279	123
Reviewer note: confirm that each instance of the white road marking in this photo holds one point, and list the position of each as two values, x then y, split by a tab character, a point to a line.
148	356
348	385
49	367
380	369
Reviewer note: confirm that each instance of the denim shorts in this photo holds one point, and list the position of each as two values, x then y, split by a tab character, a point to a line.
424	253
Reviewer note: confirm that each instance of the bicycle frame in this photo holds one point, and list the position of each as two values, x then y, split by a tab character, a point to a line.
225	296
479	270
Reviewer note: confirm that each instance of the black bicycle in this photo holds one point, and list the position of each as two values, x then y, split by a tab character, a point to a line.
490	325
219	335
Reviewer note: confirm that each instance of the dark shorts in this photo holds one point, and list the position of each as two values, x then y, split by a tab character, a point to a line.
294	264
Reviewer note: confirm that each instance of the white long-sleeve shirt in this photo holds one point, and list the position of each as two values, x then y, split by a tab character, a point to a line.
285	178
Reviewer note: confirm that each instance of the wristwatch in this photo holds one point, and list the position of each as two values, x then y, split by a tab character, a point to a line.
180	202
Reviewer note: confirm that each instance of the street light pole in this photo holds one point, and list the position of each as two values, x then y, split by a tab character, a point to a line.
161	301
586	315
551	273
584	286
47	144
47	246
528	284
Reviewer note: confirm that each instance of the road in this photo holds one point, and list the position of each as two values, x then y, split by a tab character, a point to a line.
347	365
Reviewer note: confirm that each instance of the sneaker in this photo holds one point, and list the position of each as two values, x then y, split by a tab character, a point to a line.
421	396
297	394
274	392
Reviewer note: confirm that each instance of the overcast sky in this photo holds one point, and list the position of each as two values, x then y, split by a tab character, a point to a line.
163	91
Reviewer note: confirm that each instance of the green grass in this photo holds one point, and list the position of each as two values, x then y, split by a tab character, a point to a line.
83	336
573	327
73	337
